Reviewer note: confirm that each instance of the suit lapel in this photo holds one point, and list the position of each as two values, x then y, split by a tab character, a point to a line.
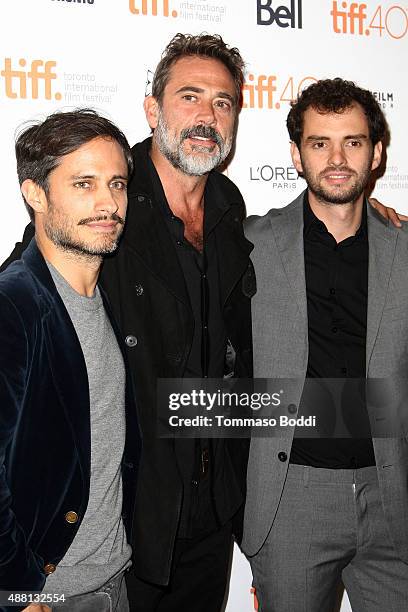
65	357
382	240
71	379
288	232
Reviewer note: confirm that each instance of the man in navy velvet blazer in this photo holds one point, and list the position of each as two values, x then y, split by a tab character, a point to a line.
69	437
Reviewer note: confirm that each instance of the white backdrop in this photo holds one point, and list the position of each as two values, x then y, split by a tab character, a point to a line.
101	53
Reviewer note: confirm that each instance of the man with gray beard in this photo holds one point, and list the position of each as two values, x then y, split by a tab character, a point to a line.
176	288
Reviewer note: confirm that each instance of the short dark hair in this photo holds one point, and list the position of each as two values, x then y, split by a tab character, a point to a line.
40	147
335	96
202	45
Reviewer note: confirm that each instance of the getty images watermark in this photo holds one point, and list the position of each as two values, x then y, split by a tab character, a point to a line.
315	408
222	400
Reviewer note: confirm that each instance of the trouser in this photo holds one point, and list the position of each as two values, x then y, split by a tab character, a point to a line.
330	528
112	597
199	577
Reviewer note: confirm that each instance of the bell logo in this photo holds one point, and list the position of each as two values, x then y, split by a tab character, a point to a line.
283	16
24	83
151	7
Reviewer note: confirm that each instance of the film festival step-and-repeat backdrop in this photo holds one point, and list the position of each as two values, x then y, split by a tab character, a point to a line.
102	54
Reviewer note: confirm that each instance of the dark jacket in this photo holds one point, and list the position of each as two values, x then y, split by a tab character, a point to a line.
45	440
147	292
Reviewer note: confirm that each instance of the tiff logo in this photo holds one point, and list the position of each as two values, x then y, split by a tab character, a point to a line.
346	21
256	96
282	15
151	7
16	82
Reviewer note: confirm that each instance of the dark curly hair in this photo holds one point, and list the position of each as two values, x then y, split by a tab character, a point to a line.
202	45
334	96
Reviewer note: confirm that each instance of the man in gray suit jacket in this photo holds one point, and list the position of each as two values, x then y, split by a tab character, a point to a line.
331	302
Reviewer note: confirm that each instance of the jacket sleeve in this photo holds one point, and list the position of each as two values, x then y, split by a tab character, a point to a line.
20	247
20	567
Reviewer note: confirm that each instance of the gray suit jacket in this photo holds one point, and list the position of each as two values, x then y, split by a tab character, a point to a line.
280	336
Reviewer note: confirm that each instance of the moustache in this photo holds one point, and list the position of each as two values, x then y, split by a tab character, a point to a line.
113	217
205	131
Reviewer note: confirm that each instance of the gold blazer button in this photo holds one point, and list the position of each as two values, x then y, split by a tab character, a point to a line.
71	517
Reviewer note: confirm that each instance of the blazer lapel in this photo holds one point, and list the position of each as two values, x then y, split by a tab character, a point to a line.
66	358
71	380
287	228
382	240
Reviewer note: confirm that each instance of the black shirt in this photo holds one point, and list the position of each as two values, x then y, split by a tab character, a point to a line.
207	354
337	288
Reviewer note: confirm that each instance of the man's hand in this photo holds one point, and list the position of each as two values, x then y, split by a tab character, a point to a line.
37	608
388	213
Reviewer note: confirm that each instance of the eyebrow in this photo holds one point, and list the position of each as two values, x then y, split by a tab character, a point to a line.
313	137
81	177
220	94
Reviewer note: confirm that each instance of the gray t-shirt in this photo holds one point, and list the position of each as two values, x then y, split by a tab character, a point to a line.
99	550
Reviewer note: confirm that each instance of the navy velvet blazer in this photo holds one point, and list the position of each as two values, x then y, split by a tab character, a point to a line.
45	426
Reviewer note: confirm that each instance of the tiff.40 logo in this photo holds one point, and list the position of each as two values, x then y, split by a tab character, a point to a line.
29	81
361	19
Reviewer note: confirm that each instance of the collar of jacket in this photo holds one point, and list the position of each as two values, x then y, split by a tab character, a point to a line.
35	262
68	364
146	233
65	355
287	226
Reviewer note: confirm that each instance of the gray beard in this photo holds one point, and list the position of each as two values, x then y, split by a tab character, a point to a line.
172	149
